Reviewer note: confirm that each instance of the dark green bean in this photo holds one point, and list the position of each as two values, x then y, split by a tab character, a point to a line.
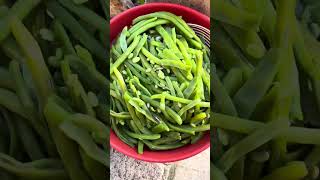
34	61
86	14
62	36
67	148
162	147
95	170
5	80
11	165
21	9
29	140
77	30
233	81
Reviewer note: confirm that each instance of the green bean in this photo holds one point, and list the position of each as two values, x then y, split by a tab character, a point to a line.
141	107
133	126
199	91
152	74
85	141
165	62
137	74
11	165
122	115
260	80
305	59
147	27
77	30
181	129
94	169
229	55
85	55
168	17
293	134
144	90
313	157
296	110
233	81
248	41
226	12
172	114
62	36
174	35
21	89
79	96
185	25
104	7
11	101
269	21
157	44
45	163
14	139
266	103
171	97
34	59
5	79
140	24
166	140
159	128
293	170
123	57
194	43
142	136
186	56
140	45
127	97
115	52
189	106
152	48
177	89
181	78
191	88
198	117
29	140
91	124
251	142
122	39
92	78
140	147
68	149
20	9
168	40
283	39
120	134
86	14
162	147
223	101
12	50
206	79
216	173
196	138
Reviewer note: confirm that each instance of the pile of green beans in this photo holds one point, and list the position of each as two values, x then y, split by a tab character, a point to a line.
266	75
54	103
160	84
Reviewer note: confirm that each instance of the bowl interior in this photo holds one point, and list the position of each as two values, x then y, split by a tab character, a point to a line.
117	24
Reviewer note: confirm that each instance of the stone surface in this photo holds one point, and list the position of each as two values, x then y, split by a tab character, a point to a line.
126	168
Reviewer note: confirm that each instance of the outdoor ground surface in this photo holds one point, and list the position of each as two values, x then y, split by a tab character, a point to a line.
195	168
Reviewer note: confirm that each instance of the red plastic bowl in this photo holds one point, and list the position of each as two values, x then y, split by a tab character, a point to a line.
117	24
